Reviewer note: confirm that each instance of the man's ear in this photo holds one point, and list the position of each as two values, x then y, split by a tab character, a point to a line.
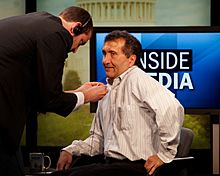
132	60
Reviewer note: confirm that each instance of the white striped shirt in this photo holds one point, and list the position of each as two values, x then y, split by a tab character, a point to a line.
136	119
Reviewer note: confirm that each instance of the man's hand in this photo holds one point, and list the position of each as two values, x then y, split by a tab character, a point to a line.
64	161
152	163
88	85
93	91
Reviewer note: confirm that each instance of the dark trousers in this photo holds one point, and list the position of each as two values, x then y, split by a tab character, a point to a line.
11	163
100	166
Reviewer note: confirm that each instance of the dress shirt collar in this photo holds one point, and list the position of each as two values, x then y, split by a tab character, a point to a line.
117	80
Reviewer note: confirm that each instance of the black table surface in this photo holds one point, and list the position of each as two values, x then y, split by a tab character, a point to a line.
29	172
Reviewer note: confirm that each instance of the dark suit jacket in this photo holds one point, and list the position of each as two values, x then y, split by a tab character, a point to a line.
33	49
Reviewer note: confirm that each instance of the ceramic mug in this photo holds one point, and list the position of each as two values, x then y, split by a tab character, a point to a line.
37	162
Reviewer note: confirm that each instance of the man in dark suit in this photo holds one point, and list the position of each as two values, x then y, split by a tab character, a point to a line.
33	48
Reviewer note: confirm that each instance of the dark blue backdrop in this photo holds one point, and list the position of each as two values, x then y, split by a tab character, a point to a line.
205	64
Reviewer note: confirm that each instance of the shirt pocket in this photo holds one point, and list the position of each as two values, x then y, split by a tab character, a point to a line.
126	114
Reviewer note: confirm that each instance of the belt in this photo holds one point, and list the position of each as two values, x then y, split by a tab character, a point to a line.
109	160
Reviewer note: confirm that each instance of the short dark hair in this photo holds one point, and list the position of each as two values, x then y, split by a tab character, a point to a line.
78	14
131	46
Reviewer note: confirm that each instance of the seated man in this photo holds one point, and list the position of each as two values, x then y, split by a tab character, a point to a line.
137	124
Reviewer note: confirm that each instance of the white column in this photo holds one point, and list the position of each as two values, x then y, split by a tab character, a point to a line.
99	9
148	12
102	11
96	12
115	10
152	11
108	11
122	10
81	5
128	11
139	10
145	11
90	7
135	10
85	6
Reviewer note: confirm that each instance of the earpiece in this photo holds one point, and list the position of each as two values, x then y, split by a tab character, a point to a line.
79	29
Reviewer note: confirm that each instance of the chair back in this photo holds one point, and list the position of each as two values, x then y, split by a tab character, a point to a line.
182	163
186	138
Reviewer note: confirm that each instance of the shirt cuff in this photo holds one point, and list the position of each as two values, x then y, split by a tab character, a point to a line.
166	157
72	149
80	99
68	149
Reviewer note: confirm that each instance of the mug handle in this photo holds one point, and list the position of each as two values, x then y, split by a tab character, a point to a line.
49	160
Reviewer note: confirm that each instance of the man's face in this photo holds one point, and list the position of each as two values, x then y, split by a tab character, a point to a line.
114	60
80	40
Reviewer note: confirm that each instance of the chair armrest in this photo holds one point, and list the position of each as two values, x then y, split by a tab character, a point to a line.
184	158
